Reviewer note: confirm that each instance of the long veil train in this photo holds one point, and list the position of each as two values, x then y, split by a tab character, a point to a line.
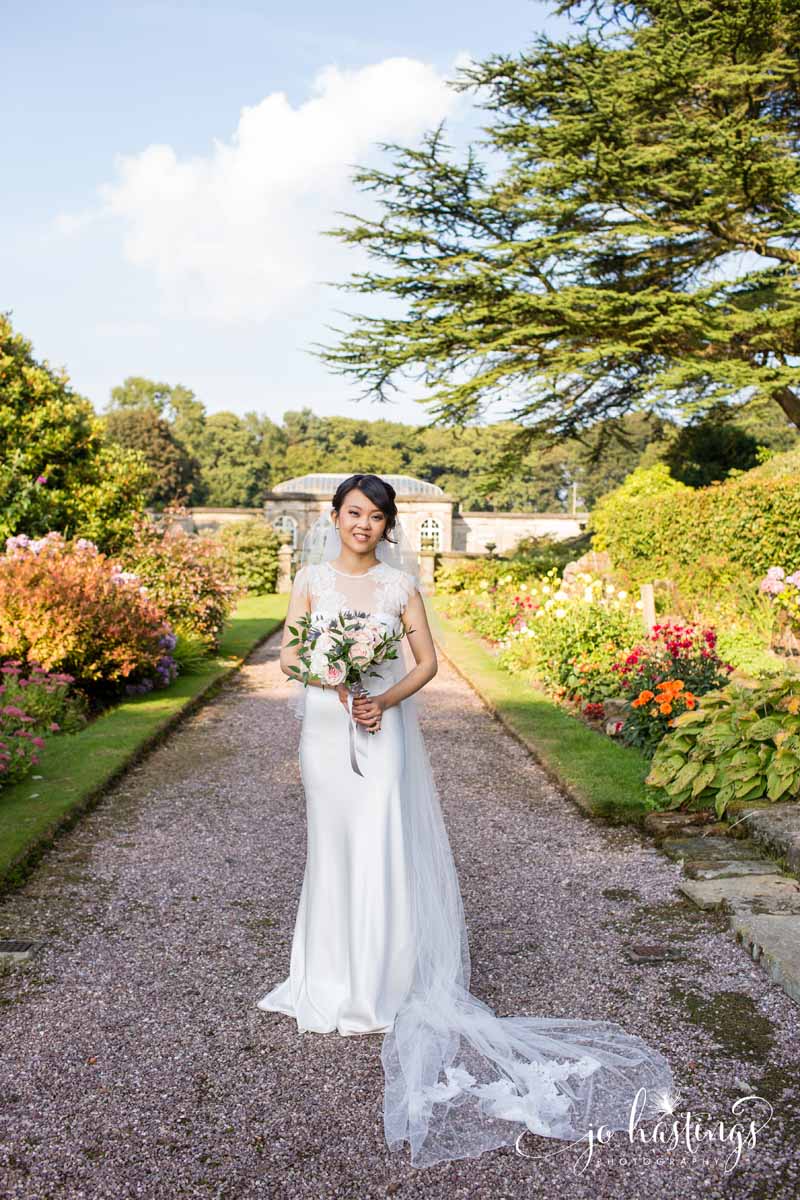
460	1080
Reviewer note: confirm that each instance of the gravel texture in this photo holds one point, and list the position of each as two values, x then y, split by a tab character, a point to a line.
134	1063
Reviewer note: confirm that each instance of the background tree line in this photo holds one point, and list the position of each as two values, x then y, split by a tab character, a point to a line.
221	458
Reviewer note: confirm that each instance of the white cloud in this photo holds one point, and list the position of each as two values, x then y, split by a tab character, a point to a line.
236	235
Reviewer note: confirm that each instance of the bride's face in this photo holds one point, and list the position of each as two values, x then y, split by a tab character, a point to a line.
361	522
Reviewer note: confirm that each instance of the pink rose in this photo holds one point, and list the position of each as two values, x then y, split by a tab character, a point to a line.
361	651
333	674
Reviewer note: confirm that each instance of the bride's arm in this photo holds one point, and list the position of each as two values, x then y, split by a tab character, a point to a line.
299	605
420	639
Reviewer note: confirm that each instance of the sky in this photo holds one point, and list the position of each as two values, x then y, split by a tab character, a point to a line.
167	170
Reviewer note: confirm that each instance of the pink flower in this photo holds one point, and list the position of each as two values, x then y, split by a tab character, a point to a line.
37	741
361	651
333	674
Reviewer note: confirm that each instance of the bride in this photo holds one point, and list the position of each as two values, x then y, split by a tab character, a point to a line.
380	942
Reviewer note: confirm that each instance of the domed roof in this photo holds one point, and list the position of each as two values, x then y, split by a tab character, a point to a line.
326	485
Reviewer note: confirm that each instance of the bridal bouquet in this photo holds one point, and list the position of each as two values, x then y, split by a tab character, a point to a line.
342	650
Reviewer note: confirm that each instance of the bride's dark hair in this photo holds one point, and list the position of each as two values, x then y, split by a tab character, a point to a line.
380	493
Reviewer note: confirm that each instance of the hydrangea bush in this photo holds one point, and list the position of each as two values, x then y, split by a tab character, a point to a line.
191	579
34	705
784	591
69	608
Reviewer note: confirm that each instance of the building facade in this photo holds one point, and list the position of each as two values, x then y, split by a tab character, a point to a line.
430	515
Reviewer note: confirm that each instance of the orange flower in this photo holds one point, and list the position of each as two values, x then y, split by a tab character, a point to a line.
645	696
664	709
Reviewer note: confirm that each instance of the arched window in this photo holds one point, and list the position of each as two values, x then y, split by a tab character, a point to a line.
430	534
286	524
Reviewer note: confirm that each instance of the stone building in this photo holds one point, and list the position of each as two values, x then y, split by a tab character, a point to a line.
430	515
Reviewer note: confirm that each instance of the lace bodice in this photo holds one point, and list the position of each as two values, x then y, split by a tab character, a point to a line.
383	591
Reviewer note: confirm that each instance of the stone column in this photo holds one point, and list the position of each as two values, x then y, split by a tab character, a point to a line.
427	562
284	583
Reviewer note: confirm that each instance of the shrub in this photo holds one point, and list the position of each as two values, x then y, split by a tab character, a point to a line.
752	519
69	608
252	547
473	574
47	696
740	743
571	641
663	677
492	607
190	578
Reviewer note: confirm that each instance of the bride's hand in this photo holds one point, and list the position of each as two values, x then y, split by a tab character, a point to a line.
367	710
343	693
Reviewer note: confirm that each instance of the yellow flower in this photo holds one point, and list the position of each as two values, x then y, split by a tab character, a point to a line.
793	705
484	583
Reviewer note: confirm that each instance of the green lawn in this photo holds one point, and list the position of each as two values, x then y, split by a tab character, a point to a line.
75	768
606	778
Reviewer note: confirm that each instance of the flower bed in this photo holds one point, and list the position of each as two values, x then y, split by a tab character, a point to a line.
584	645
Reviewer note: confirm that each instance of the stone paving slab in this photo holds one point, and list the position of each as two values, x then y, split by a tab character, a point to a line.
718	848
699	868
774	941
754	893
778	828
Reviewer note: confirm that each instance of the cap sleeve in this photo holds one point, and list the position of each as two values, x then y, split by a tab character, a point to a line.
407	587
300	597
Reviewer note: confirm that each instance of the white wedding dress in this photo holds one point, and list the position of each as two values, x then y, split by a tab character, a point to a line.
380	942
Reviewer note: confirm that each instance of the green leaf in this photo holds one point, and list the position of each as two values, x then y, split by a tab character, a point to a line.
703	778
767	727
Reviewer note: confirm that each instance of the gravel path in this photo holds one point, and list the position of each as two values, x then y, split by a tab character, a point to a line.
135	1065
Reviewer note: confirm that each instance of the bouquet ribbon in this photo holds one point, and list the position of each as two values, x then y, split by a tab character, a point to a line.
357	734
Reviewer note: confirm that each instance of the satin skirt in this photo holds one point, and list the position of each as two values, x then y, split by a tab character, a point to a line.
352	955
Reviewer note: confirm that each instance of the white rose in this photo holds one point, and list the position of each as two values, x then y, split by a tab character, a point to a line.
319	662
